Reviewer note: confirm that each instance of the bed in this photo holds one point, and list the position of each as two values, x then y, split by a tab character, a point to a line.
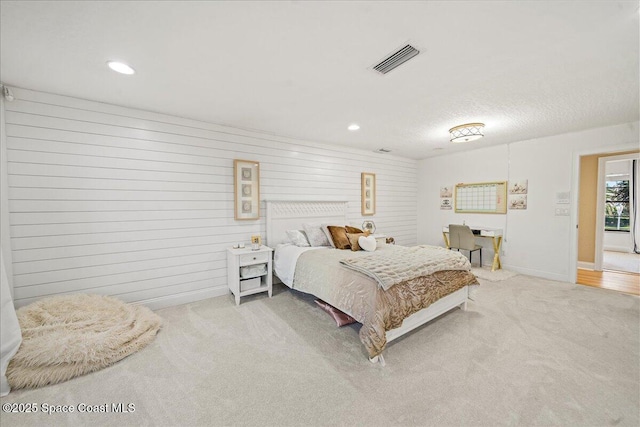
386	310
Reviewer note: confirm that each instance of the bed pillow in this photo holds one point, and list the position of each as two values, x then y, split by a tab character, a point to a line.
352	230
339	237
315	235
298	238
325	229
368	243
353	240
341	318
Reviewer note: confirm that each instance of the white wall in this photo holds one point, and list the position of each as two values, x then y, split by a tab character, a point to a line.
537	242
138	205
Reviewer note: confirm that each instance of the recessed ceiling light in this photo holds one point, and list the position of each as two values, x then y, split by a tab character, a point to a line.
120	67
353	126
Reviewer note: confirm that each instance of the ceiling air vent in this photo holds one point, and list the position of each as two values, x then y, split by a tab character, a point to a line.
382	150
396	59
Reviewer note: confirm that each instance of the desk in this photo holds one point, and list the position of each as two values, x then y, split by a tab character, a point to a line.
495	234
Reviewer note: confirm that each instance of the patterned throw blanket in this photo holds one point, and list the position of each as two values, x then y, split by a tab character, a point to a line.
406	263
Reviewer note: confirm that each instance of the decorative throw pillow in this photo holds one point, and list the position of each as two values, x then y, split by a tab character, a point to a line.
315	235
352	230
341	318
368	243
297	237
339	237
353	240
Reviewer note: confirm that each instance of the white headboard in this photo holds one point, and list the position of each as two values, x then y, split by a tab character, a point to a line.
283	215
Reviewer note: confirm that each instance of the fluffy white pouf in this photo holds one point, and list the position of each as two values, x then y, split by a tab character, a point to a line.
71	335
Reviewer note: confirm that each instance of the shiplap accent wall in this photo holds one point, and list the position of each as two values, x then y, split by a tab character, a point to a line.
5	230
111	200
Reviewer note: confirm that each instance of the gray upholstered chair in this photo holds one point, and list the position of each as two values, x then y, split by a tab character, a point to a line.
461	237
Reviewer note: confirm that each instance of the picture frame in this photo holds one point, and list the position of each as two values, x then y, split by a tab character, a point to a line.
446	203
446	192
368	195
519	187
246	188
518	201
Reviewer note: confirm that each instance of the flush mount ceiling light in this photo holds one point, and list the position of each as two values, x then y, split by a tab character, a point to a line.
466	133
353	127
120	67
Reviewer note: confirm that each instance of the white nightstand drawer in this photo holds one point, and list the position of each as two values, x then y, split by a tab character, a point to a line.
247	259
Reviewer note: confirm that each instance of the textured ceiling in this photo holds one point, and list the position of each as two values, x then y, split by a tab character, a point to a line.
303	69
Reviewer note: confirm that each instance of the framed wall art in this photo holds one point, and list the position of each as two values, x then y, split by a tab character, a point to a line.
368	193
446	198
519	187
246	186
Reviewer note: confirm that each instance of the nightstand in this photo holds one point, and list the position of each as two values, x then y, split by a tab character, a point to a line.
249	271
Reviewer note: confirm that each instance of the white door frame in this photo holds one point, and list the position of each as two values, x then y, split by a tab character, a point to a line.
575	190
600	199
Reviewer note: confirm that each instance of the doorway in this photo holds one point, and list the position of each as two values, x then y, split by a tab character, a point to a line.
606	242
617	214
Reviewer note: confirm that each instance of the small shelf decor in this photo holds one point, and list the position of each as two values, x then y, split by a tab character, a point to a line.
246	186
368	193
369	226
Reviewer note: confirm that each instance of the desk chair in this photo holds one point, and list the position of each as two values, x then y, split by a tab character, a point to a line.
461	237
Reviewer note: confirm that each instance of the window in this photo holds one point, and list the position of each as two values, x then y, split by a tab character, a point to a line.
617	206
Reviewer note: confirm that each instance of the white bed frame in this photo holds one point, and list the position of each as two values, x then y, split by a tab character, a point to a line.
283	215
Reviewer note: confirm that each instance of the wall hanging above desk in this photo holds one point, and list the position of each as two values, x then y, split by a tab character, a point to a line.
482	197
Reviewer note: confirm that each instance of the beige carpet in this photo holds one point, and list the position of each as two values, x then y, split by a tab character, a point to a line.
493	276
71	335
528	352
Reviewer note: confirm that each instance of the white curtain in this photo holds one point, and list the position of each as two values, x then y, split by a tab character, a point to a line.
10	335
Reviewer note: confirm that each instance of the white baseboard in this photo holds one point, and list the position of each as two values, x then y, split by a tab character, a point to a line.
183	298
586	265
537	273
624	249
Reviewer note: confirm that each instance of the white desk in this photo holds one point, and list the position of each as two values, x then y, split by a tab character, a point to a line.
495	234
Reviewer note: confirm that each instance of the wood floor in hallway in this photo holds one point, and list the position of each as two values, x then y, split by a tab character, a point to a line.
613	280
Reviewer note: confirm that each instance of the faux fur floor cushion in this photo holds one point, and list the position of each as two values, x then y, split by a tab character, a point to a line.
67	336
